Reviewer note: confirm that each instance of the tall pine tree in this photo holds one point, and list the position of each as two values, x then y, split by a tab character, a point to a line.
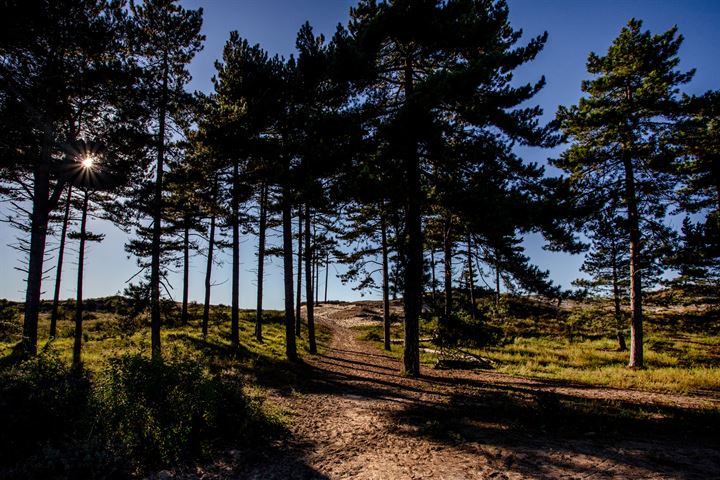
166	38
618	134
429	60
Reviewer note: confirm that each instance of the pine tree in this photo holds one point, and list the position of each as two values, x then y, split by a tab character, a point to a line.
83	236
698	257
319	134
65	75
698	139
166	38
60	259
252	124
619	131
95	175
438	60
366	230
184	184
608	264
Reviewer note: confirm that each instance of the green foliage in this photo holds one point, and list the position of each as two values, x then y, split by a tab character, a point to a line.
477	332
127	325
371	336
138	298
582	321
698	256
166	411
42	405
621	156
9	315
126	414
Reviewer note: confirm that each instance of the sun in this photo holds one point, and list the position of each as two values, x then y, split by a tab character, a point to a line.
88	161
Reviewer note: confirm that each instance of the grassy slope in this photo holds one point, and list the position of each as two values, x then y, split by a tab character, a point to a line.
256	369
105	337
682	348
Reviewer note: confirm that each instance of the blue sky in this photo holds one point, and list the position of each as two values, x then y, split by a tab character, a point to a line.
575	28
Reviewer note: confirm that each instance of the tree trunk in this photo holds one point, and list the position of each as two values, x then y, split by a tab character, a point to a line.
497	281
298	301
38	236
432	274
77	346
446	327
309	305
471	280
157	219
636	326
58	271
186	270
413	265
616	297
235	313
208	275
385	280
316	254
261	261
327	271
290	347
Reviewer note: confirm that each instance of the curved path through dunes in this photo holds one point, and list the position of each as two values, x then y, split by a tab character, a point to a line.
355	416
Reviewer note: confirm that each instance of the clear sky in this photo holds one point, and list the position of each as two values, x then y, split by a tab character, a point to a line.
575	27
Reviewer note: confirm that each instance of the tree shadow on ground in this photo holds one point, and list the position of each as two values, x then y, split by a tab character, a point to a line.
676	442
520	427
211	349
543	430
271	462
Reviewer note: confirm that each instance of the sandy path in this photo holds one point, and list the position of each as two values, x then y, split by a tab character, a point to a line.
355	416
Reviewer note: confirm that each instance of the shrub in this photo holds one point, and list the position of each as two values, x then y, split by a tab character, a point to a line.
76	459
159	412
136	414
129	324
587	322
9	325
472	332
169	312
42	405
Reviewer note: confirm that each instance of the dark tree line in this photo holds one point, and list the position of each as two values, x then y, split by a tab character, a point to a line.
388	147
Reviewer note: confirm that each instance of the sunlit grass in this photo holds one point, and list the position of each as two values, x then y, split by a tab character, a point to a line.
671	365
674	363
104	338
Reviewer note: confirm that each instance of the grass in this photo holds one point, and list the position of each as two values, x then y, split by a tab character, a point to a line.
672	365
374	334
104	338
141	414
106	335
680	357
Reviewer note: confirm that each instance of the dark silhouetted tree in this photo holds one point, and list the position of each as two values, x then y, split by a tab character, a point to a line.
166	37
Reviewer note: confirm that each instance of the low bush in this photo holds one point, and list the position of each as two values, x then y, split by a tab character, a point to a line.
44	408
129	324
136	414
160	412
9	324
465	330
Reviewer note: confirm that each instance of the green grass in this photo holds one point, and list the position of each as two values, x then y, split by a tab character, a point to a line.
206	394
672	365
112	343
105	338
374	334
675	362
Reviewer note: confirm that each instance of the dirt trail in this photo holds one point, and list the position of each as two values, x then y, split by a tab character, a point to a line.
357	417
